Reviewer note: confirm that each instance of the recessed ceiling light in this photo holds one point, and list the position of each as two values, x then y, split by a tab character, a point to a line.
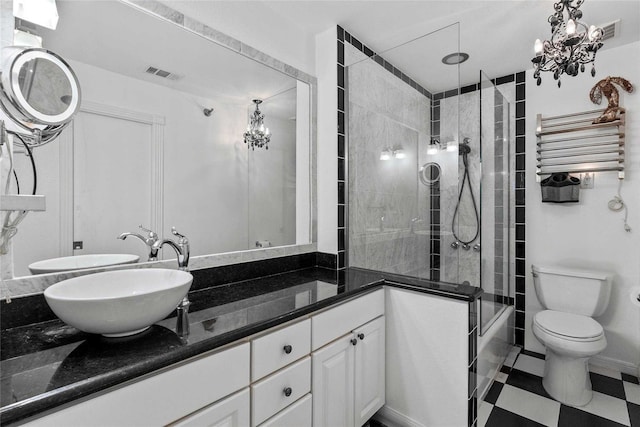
455	58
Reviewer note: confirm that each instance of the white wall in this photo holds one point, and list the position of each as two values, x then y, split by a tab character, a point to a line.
427	359
587	234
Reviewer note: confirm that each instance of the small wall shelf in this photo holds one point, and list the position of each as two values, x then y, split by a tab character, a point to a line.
573	143
20	202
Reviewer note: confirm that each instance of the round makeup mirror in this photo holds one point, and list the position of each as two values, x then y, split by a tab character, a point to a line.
429	173
40	93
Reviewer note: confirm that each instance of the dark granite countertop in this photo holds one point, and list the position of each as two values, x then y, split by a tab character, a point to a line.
48	364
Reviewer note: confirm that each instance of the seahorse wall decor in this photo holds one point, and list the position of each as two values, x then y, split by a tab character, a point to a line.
606	87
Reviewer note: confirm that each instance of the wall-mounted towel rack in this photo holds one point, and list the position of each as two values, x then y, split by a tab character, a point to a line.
573	143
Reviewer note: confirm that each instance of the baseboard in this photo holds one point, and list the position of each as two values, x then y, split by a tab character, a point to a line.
391	417
615	364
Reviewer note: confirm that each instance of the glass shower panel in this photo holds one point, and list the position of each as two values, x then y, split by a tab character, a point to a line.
399	168
495	200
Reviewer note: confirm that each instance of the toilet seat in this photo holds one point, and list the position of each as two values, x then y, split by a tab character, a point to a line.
568	326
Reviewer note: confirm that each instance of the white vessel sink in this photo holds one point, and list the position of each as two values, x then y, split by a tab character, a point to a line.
57	265
118	303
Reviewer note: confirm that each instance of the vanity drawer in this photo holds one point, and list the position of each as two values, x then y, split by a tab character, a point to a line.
280	348
163	397
296	415
335	322
280	390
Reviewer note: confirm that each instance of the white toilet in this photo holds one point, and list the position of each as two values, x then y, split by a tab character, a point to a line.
571	298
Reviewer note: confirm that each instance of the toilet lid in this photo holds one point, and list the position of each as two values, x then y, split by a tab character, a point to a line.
568	325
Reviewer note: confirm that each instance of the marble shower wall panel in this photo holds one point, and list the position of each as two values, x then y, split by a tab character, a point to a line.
468	262
384	112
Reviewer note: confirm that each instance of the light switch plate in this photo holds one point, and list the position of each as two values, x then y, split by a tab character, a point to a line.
586	180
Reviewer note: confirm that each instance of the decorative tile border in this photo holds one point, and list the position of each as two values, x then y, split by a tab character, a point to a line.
435	238
472	396
520	172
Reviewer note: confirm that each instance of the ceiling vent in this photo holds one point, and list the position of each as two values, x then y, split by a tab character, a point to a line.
162	73
611	30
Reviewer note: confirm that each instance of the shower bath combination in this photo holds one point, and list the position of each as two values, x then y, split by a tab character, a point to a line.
463	150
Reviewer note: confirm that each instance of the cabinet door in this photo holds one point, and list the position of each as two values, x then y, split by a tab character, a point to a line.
332	386
369	369
230	412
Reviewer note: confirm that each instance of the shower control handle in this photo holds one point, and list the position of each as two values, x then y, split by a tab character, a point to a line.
466	246
361	336
476	247
354	341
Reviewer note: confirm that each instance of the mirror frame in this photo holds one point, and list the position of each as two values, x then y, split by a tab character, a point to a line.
29	285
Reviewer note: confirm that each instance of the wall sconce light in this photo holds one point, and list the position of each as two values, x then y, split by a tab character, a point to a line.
434	147
452	146
397	152
41	12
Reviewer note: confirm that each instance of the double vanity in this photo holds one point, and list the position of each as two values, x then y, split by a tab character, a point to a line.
303	347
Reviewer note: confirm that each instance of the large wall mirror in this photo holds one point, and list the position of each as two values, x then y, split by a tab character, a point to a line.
158	141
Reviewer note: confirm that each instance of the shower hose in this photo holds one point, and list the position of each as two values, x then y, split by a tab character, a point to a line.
466	179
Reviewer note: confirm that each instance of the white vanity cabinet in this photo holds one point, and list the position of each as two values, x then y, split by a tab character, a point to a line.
349	372
324	370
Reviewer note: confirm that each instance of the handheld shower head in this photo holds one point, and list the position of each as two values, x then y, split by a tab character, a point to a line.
464	149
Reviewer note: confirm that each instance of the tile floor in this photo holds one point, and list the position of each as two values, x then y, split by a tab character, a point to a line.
518	399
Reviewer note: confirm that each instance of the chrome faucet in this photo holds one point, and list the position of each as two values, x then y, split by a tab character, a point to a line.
182	250
150	241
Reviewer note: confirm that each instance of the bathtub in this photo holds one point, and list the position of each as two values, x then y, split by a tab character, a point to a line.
493	347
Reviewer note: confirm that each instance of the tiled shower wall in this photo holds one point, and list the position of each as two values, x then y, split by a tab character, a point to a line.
388	228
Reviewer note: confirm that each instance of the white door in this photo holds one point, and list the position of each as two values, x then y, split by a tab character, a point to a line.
332	386
230	412
112	178
369	369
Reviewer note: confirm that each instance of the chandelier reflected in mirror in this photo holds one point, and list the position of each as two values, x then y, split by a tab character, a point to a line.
257	135
572	45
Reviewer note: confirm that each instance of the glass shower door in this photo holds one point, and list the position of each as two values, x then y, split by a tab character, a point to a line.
495	201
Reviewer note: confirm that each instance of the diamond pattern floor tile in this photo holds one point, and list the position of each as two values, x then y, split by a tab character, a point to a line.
517	398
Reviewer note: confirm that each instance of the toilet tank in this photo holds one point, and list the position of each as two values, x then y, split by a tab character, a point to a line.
572	290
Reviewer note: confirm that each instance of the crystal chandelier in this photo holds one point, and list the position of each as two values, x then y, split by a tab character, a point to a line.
257	135
572	43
